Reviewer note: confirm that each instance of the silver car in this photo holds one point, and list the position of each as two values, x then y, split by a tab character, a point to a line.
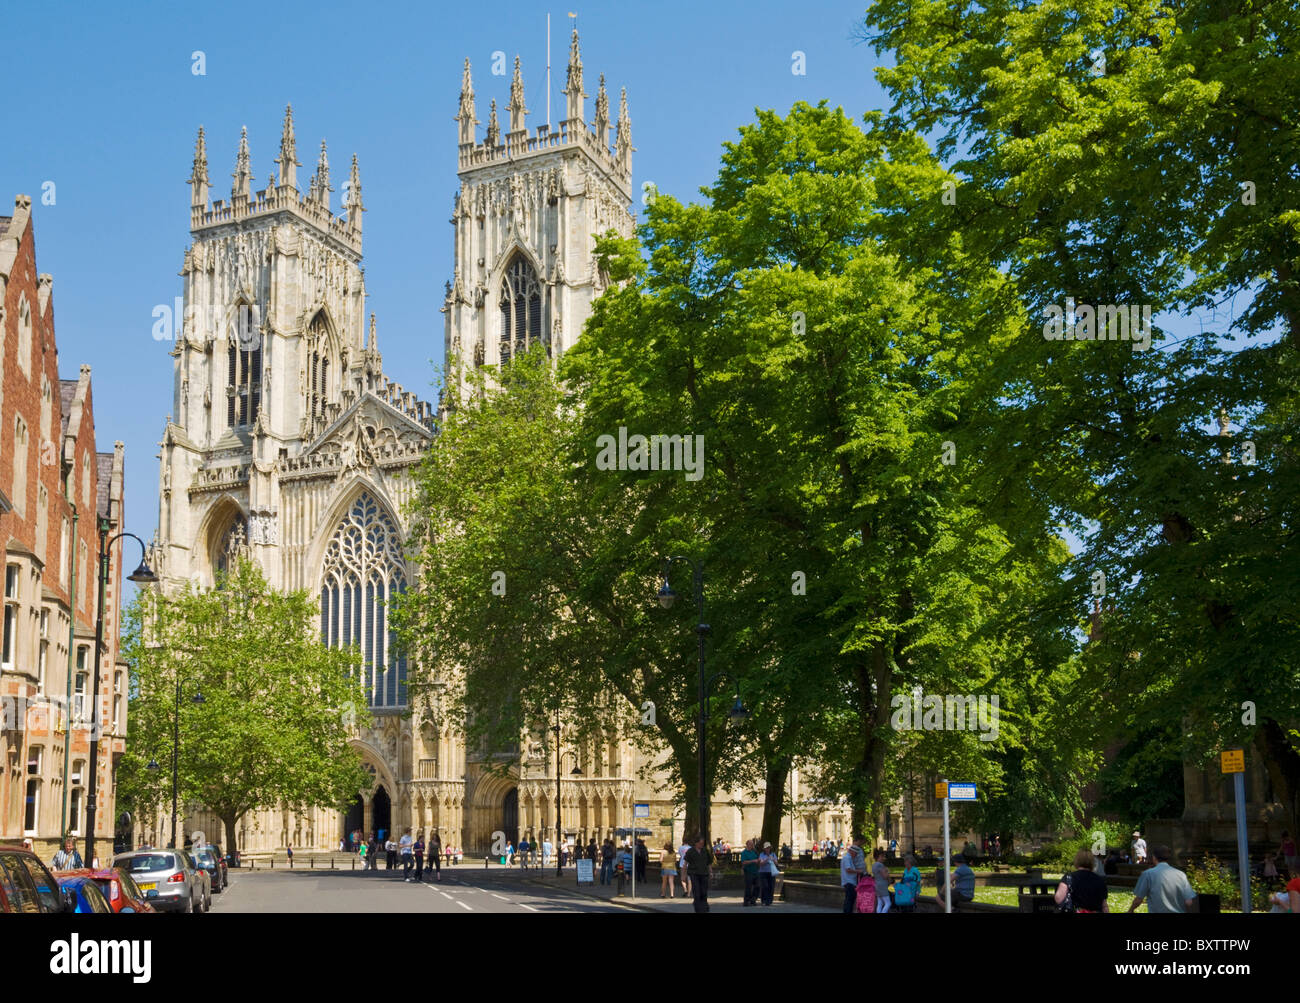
168	879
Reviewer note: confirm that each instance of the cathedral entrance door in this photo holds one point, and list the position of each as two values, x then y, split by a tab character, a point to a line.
353	821
382	825
510	816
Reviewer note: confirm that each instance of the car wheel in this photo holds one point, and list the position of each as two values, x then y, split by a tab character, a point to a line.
196	906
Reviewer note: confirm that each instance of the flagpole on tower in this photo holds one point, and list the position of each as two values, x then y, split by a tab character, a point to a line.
548	71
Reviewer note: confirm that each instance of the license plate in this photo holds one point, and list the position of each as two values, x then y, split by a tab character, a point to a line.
148	886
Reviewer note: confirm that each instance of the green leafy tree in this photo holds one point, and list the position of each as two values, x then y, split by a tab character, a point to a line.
277	710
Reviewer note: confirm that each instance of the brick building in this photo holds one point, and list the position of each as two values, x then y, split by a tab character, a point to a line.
54	489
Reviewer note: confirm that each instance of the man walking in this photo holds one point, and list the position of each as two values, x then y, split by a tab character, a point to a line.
853	868
67	859
405	848
749	869
1166	886
698	861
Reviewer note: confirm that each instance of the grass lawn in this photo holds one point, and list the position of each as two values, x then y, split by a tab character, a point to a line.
1119	899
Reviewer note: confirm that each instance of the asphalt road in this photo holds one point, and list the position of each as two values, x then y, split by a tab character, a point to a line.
462	890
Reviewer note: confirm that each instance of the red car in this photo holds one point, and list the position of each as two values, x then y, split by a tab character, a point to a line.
119	888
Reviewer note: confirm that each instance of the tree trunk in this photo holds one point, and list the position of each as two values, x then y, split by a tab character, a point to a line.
778	772
229	819
1283	765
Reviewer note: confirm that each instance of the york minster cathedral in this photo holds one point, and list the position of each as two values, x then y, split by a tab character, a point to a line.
290	445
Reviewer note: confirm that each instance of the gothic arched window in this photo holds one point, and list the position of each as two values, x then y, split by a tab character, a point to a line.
229	545
363	569
244	369
521	310
318	367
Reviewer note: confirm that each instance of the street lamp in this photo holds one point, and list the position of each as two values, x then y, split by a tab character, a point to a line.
142	576
576	772
667	597
176	750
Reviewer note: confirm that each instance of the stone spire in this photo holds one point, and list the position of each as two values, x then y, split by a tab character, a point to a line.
602	115
288	160
517	109
466	114
199	174
494	127
623	140
352	199
320	182
243	169
577	112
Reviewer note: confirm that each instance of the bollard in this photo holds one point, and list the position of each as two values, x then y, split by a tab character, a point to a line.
272	863
354	863
313	863
485	860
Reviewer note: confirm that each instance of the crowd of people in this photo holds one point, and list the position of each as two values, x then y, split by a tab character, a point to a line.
409	853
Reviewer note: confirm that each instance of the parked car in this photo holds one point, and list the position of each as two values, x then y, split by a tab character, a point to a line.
88	896
120	890
205	881
167	878
205	860
26	884
219	881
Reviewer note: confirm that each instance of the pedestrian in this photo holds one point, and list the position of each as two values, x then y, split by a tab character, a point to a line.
510	853
853	868
880	874
343	844
390	854
607	862
749	872
524	848
682	872
642	860
963	884
404	850
1293	895
1084	890
417	851
547	849
907	889
372	855
289	850
592	850
698	861
767	872
435	854
361	851
667	870
1288	851
625	865
1139	848
66	859
1166	886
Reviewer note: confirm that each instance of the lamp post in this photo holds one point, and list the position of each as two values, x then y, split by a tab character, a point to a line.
141	575
576	772
666	598
176	755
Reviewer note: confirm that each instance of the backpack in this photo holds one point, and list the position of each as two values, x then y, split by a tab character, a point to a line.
904	890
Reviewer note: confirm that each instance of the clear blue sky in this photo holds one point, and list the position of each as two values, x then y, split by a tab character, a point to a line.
102	102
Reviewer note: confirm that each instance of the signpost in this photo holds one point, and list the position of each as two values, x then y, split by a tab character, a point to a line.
950	791
586	871
1234	761
639	811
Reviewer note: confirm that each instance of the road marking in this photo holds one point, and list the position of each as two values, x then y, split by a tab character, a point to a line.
528	907
463	905
501	897
446	896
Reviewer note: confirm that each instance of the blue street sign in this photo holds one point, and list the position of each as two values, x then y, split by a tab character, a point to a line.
961	792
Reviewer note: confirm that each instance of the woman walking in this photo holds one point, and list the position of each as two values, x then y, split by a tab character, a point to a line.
668	869
435	854
907	889
418	850
767	872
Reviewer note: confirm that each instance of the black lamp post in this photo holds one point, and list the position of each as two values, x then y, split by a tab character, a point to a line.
141	575
666	598
576	772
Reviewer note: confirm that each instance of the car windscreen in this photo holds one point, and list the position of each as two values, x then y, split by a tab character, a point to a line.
205	859
151	862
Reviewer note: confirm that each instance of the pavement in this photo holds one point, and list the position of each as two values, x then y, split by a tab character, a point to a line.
647	898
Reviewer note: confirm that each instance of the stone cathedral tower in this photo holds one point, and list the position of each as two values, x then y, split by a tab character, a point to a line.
524	220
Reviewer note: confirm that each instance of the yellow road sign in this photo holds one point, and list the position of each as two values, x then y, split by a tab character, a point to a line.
940	790
1232	761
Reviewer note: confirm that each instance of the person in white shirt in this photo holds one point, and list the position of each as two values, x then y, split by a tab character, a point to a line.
681	867
1139	849
853	867
404	846
547	849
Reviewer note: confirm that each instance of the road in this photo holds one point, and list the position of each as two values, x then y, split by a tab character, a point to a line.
462	890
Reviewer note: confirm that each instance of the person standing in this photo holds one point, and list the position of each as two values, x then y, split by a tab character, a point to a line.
681	866
907	889
404	846
66	859
361	852
1084	890
749	871
289	850
372	857
667	870
390	854
1139	848
607	862
1166	886
1288	851
880	874
417	851
767	872
642	860
853	868
698	861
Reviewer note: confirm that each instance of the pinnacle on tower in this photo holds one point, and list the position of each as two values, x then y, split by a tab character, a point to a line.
352	199
493	128
243	169
623	140
602	115
573	83
320	182
466	114
199	174
517	109
288	160
372	339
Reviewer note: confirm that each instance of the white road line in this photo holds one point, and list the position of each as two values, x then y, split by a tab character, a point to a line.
446	896
528	907
501	897
463	906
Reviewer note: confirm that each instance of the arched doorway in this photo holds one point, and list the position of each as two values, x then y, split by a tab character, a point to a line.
510	816
353	821
382	823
